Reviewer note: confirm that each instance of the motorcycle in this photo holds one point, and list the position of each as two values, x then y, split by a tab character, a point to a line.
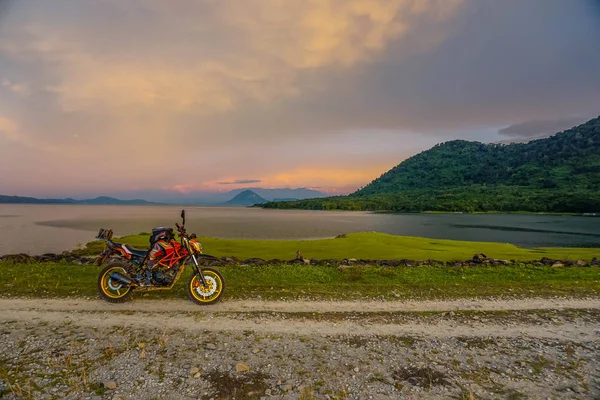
130	272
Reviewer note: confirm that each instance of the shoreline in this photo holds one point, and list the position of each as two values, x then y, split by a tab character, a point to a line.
260	206
46	228
477	260
373	246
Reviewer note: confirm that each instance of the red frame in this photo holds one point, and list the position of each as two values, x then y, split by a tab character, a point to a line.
174	254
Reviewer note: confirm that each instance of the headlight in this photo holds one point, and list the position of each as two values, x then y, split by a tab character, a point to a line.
196	246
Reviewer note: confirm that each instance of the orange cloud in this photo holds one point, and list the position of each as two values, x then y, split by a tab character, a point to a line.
322	33
327	177
166	92
248	51
10	130
273	42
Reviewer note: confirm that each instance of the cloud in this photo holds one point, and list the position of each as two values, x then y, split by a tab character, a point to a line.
270	45
17	88
240	182
245	88
321	33
541	128
9	129
325	177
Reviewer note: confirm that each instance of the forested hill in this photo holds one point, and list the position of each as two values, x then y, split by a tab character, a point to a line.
557	174
565	160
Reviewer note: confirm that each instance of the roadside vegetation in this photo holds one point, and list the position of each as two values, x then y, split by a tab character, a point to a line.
366	245
286	281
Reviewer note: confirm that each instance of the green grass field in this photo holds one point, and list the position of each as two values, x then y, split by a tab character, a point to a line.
369	245
319	282
287	281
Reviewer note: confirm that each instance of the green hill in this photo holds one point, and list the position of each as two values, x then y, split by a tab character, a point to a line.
556	174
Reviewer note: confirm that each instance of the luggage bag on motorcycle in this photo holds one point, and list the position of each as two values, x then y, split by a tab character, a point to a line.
161	233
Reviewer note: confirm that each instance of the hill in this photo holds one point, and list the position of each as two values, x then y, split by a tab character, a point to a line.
102	200
31	200
282	194
215	198
556	174
246	198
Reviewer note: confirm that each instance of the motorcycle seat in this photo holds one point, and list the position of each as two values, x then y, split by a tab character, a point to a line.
136	252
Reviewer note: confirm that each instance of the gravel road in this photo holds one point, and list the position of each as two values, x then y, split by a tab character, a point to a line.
144	349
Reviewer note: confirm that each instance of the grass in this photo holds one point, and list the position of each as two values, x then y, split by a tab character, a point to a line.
284	281
509	212
368	245
319	282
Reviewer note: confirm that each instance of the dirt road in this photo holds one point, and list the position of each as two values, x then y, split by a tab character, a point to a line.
291	316
539	348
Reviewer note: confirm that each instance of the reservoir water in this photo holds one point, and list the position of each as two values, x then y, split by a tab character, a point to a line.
37	229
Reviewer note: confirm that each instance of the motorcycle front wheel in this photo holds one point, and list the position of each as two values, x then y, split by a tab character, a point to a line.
111	290
209	294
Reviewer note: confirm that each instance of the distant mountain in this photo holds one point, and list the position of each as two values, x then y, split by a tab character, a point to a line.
103	200
169	197
32	200
216	198
282	193
560	173
246	198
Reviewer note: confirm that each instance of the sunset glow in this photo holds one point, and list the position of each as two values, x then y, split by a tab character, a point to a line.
208	96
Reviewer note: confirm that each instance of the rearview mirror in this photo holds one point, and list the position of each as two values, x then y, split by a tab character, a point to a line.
183	216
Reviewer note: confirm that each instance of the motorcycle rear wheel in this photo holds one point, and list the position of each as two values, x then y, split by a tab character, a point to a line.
110	290
210	294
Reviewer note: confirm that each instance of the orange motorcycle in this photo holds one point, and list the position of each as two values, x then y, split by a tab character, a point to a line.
127	269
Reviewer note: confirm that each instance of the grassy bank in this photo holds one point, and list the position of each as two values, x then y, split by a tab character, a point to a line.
318	282
369	245
570	214
296	281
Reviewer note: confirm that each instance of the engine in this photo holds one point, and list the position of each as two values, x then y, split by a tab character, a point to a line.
164	276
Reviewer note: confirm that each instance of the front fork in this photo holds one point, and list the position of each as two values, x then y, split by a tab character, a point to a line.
199	271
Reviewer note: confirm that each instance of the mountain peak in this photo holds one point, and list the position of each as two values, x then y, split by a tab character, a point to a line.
246	198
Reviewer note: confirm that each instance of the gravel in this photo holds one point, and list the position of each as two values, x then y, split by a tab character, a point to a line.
86	357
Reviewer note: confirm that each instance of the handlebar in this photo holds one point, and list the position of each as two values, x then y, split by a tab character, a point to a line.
180	229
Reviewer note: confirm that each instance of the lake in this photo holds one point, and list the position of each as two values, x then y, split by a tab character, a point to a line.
37	229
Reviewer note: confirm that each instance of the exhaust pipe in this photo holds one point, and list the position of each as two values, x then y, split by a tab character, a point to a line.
122	279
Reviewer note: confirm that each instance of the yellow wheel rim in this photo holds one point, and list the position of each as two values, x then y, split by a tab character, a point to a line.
207	293
112	288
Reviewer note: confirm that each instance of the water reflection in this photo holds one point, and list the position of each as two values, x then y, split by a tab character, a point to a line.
37	229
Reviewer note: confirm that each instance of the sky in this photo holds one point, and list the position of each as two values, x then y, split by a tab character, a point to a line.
126	97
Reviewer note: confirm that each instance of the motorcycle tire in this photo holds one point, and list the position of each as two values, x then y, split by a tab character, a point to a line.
210	294
110	290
